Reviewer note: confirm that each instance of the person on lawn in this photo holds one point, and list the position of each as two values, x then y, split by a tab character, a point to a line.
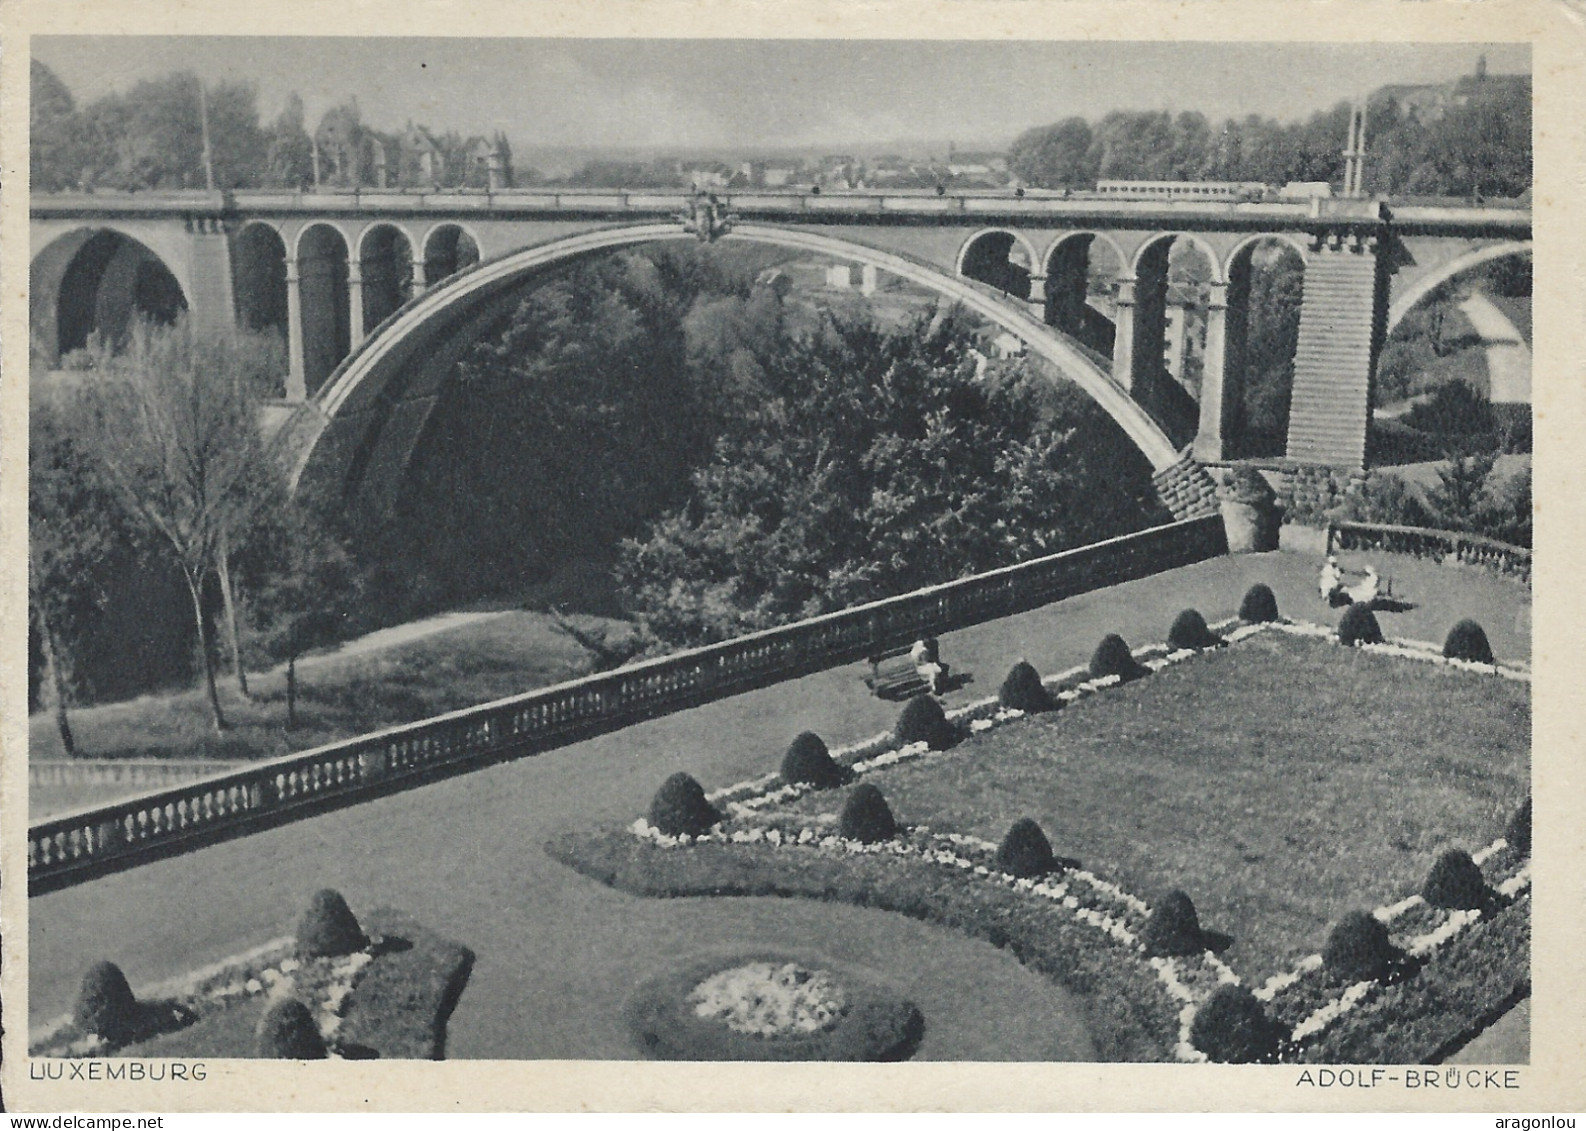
1331	584
928	663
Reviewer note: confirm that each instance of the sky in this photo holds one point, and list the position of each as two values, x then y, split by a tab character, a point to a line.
775	94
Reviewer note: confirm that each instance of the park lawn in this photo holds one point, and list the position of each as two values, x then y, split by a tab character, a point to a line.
338	697
1280	783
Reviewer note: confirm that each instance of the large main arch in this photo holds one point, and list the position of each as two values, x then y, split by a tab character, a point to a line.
1426	284
389	381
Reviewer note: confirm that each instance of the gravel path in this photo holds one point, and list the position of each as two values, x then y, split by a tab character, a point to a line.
1508	357
558	953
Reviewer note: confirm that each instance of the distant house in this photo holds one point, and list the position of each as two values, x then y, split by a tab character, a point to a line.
420	161
340	147
710	176
489	162
778	175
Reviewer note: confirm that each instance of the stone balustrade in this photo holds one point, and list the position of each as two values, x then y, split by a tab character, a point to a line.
81	845
1440	545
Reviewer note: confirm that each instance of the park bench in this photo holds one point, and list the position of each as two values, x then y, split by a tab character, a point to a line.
893	674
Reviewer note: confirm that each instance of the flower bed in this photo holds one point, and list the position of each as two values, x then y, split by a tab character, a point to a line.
389	999
1077	926
767	1007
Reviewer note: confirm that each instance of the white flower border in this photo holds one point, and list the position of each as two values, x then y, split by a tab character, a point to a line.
221	983
743	800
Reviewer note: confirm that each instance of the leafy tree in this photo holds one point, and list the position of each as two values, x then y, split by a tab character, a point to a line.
1277	282
878	464
56	136
310	588
75	530
1455	409
1461	490
177	437
1055	156
289	156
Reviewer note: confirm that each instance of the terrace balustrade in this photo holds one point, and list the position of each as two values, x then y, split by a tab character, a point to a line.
77	846
1439	545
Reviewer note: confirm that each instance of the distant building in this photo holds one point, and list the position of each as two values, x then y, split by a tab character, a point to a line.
420	161
341	147
1427	103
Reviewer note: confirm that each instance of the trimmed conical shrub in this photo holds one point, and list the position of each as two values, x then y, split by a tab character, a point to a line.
1359	625
867	817
1260	606
1172	927
328	927
1455	882
1023	690
1359	949
807	762
1232	1028
105	1004
680	808
923	720
1467	641
1518	832
1025	852
1112	657
287	1032
1190	631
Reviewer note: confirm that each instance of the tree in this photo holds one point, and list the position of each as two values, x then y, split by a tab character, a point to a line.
1461	490
879	462
289	155
177	437
74	531
56	137
309	592
1055	156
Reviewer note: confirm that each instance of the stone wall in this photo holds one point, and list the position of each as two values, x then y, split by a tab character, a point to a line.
1186	489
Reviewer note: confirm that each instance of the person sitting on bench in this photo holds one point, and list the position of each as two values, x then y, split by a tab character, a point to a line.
1366	591
928	662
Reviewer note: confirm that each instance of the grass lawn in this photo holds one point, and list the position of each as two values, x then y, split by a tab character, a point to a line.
338	697
1281	783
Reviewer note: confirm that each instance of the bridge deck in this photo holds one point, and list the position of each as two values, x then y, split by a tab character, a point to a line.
897	206
558	952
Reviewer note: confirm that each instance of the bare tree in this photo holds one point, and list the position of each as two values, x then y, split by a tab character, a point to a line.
176	431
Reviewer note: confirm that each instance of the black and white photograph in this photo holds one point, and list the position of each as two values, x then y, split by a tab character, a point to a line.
704	546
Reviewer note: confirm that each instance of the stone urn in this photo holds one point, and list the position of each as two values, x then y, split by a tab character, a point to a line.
1251	515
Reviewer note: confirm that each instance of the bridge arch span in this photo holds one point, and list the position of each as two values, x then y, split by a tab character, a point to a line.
1248	245
987	256
323	258
385	259
1066	239
259	277
1424	286
1153	247
97	278
448	247
339	429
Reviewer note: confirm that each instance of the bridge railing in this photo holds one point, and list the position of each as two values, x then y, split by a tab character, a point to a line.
78	846
1440	545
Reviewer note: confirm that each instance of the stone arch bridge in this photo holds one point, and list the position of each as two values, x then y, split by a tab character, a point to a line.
378	294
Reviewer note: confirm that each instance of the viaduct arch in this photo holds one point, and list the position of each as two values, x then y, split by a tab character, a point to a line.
359	431
1425	284
97	278
373	257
